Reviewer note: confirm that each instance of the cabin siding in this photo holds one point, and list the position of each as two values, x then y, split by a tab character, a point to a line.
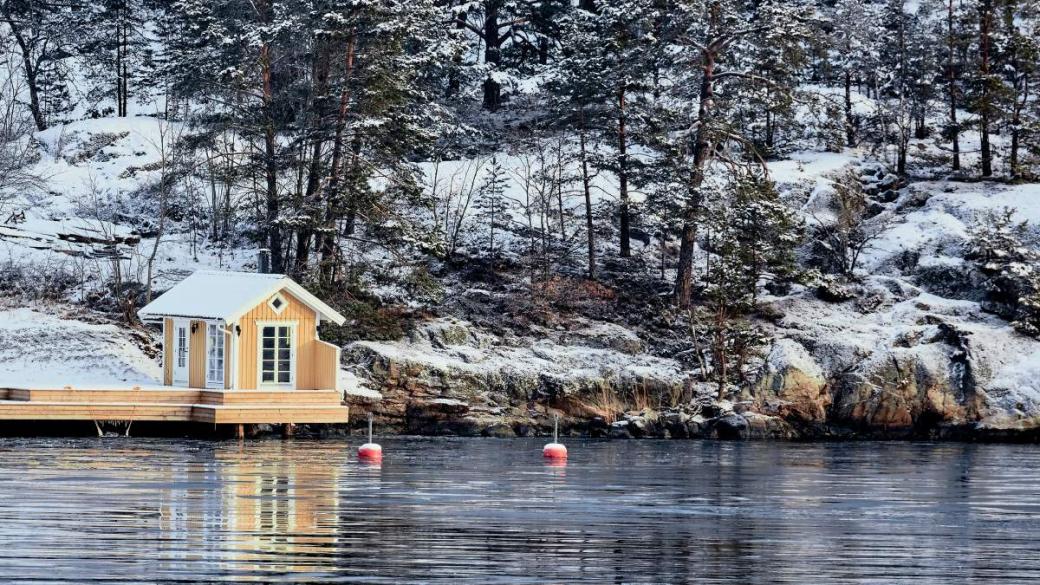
167	352
197	354
306	342
326	365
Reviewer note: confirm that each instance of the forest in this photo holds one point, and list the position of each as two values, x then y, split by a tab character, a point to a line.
675	167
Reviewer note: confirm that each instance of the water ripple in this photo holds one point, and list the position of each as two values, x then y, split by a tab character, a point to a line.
491	511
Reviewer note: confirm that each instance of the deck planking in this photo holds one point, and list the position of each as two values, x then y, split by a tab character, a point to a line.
174	405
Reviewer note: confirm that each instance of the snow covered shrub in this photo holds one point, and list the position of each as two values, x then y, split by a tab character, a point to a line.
422	286
367	317
723	346
752	236
1028	321
998	248
849	229
45	280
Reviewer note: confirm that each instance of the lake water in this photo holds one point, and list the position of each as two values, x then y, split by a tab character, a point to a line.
492	511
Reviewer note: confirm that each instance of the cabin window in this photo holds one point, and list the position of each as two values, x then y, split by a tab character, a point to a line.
182	346
276	354
215	357
278	303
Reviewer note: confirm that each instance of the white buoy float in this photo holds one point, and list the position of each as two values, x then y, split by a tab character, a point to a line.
370	451
555	450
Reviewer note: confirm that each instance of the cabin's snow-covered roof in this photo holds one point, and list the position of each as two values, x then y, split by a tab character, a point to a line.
208	294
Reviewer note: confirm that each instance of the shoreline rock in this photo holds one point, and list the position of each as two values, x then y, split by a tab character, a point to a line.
916	371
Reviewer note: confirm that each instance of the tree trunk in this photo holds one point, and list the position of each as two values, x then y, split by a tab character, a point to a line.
274	231
901	153
850	128
951	80
328	236
126	65
454	80
492	57
122	68
985	25
31	74
684	275
586	185
320	90
351	196
625	220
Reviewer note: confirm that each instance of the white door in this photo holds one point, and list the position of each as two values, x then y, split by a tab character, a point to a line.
277	356
214	356
180	353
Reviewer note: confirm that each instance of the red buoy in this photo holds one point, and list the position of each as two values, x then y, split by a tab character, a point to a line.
555	450
370	451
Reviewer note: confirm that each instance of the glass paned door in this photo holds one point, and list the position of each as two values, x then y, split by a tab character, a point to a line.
276	355
180	353
214	356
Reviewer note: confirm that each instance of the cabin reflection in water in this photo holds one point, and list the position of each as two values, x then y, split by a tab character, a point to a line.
271	513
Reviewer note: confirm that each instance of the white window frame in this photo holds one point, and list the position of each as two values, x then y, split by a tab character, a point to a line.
280	297
293	332
220	334
175	352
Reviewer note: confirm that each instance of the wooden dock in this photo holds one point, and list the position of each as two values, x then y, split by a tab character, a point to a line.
174	404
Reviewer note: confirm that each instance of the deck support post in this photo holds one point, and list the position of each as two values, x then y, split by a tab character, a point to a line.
240	431
288	430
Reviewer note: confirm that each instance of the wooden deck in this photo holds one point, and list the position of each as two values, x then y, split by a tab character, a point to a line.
173	404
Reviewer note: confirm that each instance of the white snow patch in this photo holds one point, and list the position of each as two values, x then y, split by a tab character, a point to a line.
40	350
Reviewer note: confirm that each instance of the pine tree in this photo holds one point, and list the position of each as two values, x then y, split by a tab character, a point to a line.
854	31
955	40
907	64
702	123
768	233
116	48
325	96
998	248
511	35
605	68
1020	56
987	84
493	210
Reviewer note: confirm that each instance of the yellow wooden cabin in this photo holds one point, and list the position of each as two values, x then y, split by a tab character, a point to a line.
244	331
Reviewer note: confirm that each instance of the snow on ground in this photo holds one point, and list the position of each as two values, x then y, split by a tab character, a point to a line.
944	222
41	350
542	359
355	387
90	157
903	318
1016	388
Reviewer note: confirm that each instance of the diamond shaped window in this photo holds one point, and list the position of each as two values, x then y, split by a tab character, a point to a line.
278	303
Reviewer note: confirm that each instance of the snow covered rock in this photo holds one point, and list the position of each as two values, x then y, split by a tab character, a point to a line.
793	384
910	364
449	362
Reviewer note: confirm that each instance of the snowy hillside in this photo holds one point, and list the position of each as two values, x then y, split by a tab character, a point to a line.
43	350
821	224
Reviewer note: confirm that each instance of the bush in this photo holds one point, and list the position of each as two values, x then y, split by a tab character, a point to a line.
366	317
1008	265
